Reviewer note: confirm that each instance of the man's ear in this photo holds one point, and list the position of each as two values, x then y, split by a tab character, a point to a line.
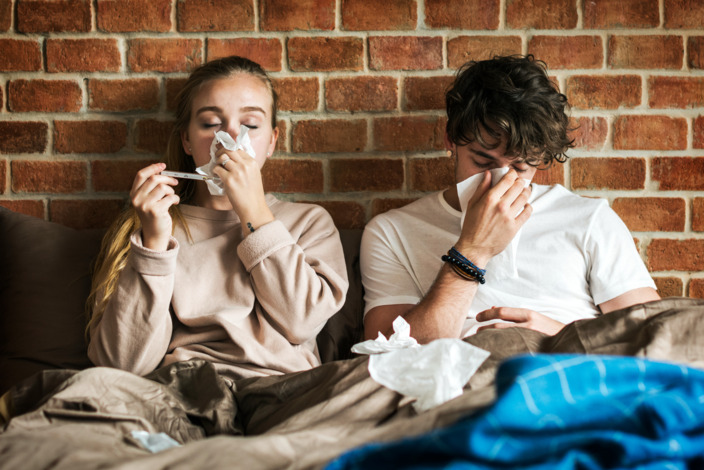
449	146
186	143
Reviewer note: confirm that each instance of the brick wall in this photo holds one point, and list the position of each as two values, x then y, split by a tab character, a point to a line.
87	86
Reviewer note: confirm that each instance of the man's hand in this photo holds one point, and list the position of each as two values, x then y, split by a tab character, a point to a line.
521	317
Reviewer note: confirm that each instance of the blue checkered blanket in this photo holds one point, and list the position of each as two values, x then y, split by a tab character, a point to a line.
565	412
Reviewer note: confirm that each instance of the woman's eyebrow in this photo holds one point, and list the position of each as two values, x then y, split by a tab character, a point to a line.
245	109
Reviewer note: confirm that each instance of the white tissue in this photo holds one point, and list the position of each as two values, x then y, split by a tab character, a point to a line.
503	265
154	442
433	373
223	138
400	339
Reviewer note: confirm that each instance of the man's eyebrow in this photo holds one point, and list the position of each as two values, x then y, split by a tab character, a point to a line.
481	153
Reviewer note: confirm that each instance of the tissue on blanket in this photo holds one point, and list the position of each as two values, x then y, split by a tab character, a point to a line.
155	442
503	265
400	339
433	373
224	139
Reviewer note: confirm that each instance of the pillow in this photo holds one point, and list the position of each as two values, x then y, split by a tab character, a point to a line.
345	328
44	283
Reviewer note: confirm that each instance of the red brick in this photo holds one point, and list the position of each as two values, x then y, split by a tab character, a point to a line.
325	54
604	14
345	214
603	92
379	206
651	214
363	15
23	137
20	55
677	255
426	93
696	288
332	135
695	52
669	286
85	214
5	15
679	173
455	14
153	136
650	133
698	142
3	173
541	14
123	95
164	55
52	16
124	16
267	52
296	93
89	136
554	174
568	52
432	174
363	93
115	175
462	49
173	86
32	207
684	14
405	53
589	133
82	55
48	177
49	96
676	92
370	174
607	173
409	133
698	214
290	15
282	141
215	15
645	52
293	176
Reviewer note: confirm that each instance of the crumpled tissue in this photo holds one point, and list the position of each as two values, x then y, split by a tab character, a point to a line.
154	442
223	138
400	339
503	265
433	373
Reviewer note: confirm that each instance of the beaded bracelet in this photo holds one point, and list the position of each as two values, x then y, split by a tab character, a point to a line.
468	271
453	252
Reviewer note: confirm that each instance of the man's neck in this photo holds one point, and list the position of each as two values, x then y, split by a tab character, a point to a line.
452	198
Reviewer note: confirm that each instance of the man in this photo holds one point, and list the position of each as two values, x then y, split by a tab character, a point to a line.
548	256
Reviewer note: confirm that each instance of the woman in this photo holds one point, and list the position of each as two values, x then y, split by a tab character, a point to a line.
241	279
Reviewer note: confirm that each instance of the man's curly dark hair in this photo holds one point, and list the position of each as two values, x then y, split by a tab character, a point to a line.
511	95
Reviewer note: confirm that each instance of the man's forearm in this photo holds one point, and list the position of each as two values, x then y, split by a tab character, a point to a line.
443	310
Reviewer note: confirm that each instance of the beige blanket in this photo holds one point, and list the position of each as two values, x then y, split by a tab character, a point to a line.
71	419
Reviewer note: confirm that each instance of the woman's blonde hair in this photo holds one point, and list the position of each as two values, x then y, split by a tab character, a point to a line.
115	247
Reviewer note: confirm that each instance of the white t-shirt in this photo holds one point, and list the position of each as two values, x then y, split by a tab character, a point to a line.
573	254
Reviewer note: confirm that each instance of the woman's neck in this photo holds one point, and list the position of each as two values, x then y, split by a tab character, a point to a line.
203	198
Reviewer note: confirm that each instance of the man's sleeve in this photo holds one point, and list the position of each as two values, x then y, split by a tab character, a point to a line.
615	264
385	272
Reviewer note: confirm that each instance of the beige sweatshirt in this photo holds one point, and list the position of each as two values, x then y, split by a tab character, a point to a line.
253	307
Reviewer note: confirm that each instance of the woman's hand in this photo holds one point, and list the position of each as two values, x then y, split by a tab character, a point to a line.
151	196
521	317
242	181
492	218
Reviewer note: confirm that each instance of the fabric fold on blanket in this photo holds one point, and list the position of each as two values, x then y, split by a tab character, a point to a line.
565	412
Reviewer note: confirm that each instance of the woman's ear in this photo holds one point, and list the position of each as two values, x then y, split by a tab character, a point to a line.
186	143
272	144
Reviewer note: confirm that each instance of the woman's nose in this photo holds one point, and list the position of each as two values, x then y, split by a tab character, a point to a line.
233	129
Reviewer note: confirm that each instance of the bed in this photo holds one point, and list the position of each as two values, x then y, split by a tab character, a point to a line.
622	390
